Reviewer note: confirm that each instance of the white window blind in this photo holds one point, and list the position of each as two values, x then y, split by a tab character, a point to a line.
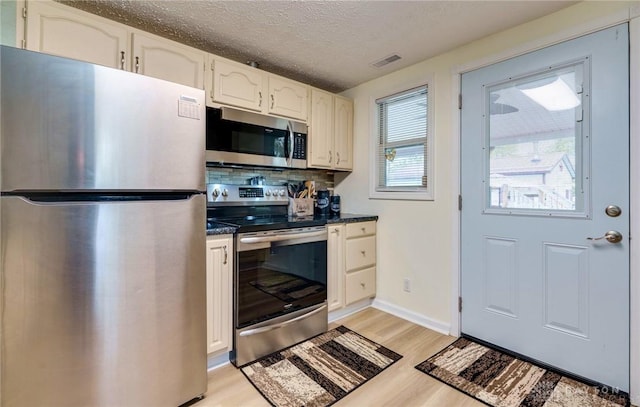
402	156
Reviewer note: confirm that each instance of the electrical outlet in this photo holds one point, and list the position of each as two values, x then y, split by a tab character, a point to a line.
407	285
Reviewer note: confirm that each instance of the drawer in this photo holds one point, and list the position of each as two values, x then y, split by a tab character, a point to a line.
360	284
361	229
360	252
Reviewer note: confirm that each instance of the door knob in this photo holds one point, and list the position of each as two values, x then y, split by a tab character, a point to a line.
612	236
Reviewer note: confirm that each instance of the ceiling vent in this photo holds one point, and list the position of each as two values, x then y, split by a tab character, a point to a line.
386	61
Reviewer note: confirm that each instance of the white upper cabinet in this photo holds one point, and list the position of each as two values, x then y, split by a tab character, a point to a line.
330	131
343	133
60	30
56	29
168	60
321	129
234	84
288	98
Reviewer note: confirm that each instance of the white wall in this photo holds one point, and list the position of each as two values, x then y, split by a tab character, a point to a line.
418	240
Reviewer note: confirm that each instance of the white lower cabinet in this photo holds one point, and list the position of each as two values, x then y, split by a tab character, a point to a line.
351	266
335	267
219	291
360	284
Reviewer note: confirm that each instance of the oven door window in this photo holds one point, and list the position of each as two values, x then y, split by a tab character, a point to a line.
279	279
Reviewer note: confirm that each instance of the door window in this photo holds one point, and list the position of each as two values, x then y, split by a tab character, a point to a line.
536	147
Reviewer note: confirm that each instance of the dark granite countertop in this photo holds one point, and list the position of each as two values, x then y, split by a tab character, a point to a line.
351	218
215	228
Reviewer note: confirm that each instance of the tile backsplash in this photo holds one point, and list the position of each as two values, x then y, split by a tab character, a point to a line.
240	176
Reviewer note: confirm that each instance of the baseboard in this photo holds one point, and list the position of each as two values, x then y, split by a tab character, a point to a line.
435	325
217	361
349	309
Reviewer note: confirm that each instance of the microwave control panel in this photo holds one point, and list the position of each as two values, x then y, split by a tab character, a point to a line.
299	146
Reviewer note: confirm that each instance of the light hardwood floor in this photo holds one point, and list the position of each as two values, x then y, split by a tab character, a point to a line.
399	385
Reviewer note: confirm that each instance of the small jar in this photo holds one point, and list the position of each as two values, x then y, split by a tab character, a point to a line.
334	205
322	203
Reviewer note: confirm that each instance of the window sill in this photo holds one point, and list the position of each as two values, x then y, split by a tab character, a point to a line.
402	196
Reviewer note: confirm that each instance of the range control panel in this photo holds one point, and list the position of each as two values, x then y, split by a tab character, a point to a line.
221	194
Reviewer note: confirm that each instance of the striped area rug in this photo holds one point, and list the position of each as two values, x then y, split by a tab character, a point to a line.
319	371
501	380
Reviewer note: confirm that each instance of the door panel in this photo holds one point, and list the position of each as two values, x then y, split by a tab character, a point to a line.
545	145
500	279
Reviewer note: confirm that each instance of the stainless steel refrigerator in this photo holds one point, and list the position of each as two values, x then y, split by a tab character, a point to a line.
102	236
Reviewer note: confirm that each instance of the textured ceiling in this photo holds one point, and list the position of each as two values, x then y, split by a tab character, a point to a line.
328	44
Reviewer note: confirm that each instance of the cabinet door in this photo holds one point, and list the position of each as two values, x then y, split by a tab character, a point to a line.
56	29
343	133
321	129
360	284
164	59
219	307
360	252
335	267
287	98
238	85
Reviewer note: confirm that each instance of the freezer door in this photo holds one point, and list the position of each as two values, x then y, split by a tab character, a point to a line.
70	125
103	304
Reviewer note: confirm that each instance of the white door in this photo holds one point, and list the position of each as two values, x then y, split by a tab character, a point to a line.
545	152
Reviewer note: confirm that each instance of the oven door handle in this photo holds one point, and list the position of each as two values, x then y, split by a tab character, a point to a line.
282	324
279	238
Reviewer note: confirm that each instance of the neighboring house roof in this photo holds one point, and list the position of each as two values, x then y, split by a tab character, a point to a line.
532	164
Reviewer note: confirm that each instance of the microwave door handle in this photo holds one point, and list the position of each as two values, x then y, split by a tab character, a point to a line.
291	139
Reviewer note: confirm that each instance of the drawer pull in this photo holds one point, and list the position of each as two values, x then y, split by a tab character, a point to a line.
364	230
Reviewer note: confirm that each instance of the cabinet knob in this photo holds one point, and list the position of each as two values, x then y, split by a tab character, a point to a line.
364	230
363	285
363	252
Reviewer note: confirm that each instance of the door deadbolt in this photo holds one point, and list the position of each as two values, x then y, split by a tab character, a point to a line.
613	211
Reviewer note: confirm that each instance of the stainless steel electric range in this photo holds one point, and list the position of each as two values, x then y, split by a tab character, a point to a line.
280	269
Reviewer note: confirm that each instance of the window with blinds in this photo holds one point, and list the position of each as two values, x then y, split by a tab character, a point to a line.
403	142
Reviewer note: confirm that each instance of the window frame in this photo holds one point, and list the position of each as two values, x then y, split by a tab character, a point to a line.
402	193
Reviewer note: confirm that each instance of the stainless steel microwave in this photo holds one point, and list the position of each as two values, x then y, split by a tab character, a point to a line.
238	137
